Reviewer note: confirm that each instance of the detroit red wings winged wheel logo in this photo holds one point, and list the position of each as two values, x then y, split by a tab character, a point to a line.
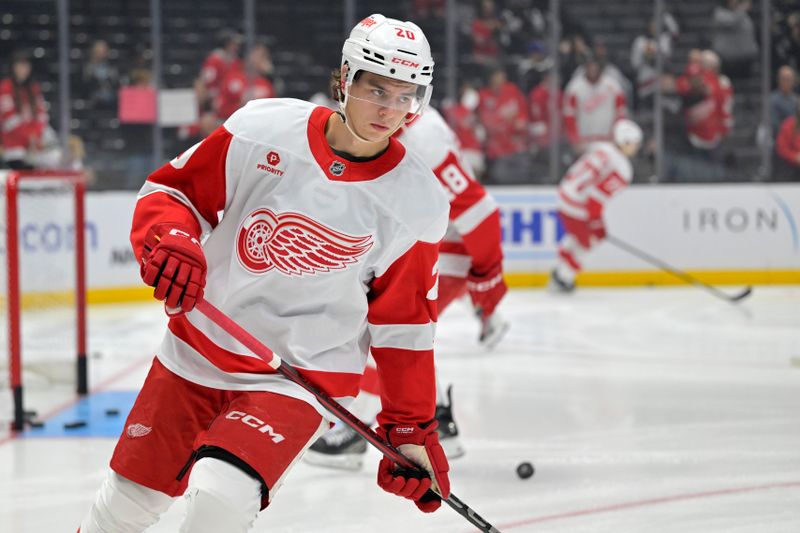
295	244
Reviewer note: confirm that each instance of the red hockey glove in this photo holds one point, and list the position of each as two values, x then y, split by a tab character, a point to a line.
421	446
173	262
597	228
486	290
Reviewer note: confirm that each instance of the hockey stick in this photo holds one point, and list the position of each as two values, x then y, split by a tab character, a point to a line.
678	273
289	372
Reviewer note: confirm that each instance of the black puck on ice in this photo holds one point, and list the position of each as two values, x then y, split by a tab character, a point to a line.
112	412
524	470
36	423
75	424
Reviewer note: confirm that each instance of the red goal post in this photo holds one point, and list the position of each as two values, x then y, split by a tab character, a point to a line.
68	182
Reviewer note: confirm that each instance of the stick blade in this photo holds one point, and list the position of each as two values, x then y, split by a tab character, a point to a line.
742	295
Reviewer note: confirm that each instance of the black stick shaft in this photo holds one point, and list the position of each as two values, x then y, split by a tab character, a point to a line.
674	271
289	372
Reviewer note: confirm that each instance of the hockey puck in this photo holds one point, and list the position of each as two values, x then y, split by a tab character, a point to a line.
525	470
75	424
112	412
36	423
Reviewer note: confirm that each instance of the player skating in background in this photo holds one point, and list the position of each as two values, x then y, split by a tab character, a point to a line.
600	173
320	235
470	261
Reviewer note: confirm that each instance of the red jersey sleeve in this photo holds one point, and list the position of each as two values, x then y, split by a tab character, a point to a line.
402	318
189	190
473	213
785	146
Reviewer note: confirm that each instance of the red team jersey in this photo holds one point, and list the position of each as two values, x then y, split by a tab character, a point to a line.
709	120
24	125
464	122
473	235
504	114
321	258
788	141
600	173
539	109
215	67
234	93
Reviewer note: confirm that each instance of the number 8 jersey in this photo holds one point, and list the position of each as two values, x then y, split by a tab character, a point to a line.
473	237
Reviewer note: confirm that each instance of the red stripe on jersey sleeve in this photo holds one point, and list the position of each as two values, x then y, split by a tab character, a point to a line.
464	191
400	296
199	173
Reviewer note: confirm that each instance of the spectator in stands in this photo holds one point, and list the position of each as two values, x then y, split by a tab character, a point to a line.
485	30
515	27
462	117
216	66
424	9
643	59
533	68
787	147
600	52
783	100
702	98
734	37
541	125
504	114
704	122
786	40
240	85
593	102
23	114
573	51
99	78
711	63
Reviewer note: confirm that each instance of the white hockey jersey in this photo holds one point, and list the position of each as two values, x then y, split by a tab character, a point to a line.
602	171
473	238
591	109
319	257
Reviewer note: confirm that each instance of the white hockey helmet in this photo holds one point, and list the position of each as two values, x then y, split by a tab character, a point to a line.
391	48
627	132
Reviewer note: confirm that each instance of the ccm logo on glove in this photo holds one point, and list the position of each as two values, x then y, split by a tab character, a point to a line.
173	262
421	445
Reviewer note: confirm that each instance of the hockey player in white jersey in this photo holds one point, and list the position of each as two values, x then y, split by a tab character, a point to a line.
320	235
600	173
470	261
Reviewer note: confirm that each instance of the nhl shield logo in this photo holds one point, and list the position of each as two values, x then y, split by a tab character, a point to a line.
337	168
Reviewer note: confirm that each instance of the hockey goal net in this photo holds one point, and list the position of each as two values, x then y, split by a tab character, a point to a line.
42	291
